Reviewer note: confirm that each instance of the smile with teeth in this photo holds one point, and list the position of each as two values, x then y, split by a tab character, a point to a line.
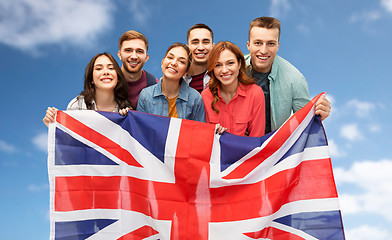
226	76
106	80
170	69
133	64
200	54
262	58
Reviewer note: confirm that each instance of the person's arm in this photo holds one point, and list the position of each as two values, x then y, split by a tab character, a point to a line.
77	104
300	94
301	98
50	115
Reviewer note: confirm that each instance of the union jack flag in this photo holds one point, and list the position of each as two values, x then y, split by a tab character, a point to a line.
150	177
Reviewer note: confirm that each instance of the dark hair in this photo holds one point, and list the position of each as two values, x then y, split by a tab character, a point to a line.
120	91
130	35
213	59
178	44
199	25
265	22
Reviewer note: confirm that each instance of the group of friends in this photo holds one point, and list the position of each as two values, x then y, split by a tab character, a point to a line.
248	95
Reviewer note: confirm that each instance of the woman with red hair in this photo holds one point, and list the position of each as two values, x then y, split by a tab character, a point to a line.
232	100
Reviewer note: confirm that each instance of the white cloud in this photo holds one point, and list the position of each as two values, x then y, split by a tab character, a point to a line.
41	141
37	188
361	108
303	29
387	4
349	204
279	8
140	10
372	180
334	109
374	128
366	232
368	16
6	147
334	150
351	132
29	24
330	98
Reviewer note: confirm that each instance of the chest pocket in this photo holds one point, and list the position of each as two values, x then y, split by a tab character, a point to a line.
241	124
213	119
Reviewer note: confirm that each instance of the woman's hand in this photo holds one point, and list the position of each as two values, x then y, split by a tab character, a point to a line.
50	115
220	129
124	111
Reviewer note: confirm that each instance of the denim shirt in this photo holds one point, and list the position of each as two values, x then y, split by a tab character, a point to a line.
189	103
288	90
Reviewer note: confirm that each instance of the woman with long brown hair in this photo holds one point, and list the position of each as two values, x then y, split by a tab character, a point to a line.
105	88
232	100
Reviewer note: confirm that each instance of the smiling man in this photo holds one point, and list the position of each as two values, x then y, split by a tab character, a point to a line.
285	88
133	47
200	42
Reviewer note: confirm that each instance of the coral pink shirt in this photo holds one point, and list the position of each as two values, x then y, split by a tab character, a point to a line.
244	113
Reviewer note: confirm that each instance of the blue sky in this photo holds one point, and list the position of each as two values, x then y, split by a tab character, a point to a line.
342	48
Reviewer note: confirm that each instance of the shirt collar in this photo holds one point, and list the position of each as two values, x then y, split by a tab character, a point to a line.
183	90
241	91
274	69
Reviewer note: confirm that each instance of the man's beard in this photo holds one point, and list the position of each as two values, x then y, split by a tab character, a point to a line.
132	70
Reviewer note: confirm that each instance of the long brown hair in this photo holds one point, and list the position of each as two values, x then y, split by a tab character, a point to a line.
213	59
120	91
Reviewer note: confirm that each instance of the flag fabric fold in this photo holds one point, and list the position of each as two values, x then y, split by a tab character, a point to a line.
149	177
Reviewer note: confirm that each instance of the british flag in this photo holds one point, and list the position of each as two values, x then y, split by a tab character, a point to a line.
150	177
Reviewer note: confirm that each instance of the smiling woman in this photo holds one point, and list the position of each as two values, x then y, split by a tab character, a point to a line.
232	100
105	88
172	96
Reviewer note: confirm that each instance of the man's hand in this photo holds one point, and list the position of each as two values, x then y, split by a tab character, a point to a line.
323	107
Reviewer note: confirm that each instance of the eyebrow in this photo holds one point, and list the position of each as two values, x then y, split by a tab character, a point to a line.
254	40
198	40
172	55
229	60
100	64
128	48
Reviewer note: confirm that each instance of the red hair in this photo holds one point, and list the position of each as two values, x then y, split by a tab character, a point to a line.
213	59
